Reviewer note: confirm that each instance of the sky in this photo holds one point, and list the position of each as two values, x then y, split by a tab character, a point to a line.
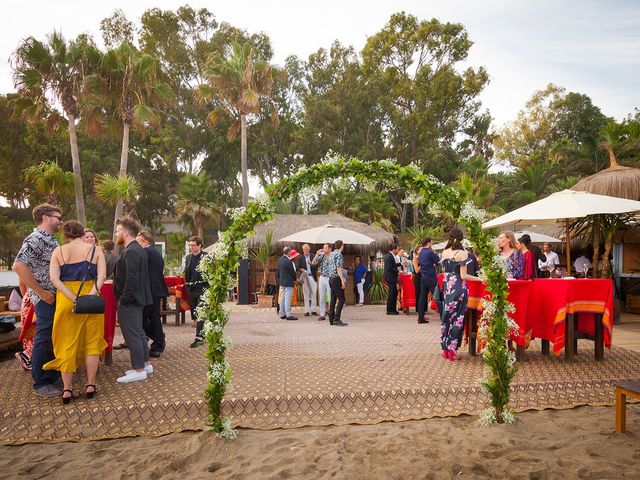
590	47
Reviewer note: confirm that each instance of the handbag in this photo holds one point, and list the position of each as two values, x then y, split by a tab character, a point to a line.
88	304
437	293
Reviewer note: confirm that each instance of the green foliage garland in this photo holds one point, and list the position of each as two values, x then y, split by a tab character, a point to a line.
382	174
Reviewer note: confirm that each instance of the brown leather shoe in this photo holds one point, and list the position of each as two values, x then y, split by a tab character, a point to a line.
321	318
120	346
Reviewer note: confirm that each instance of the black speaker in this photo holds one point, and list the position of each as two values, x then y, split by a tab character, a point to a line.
243	282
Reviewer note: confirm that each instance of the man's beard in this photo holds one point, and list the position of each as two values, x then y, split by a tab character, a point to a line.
119	240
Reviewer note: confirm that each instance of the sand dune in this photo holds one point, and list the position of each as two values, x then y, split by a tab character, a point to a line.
552	444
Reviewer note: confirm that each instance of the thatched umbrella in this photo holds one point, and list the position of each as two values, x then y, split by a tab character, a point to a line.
615	181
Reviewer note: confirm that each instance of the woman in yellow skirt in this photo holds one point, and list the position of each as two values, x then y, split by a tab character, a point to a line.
77	338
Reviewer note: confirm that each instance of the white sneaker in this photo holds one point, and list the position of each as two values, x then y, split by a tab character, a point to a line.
147	368
133	377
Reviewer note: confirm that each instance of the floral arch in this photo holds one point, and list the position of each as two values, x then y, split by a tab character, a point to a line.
226	253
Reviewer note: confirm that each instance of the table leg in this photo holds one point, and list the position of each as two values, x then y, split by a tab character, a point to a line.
569	336
621	411
599	337
473	331
520	353
108	358
163	306
545	347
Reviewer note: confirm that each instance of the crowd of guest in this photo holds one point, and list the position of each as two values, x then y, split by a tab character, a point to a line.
55	277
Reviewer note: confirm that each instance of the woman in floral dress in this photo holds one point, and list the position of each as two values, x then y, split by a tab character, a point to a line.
454	294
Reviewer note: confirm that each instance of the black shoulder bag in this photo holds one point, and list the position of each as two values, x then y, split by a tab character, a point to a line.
91	304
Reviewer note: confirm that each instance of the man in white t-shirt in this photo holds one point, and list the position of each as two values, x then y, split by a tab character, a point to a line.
582	264
549	267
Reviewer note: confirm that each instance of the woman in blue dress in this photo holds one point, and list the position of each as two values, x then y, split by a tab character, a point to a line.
454	294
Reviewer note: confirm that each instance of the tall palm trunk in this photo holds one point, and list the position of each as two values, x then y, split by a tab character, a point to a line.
243	159
124	160
75	162
608	244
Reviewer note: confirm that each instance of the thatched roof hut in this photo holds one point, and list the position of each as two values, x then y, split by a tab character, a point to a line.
284	225
615	181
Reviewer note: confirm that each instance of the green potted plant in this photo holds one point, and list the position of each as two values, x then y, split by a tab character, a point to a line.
378	290
263	255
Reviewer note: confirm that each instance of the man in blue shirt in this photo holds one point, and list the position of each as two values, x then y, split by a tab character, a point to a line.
428	259
359	272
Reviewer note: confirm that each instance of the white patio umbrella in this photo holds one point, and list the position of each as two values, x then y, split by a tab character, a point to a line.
537	237
565	205
328	234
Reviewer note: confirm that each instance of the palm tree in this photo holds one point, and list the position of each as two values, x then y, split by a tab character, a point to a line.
236	84
45	73
130	82
197	201
123	189
50	181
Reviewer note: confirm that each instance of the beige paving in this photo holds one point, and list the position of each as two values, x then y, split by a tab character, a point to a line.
304	372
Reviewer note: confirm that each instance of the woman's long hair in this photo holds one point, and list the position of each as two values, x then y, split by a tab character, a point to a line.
455	239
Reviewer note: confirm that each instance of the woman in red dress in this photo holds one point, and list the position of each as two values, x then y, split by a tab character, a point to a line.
529	259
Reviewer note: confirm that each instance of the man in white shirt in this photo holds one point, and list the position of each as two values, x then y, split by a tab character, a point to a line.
582	264
549	267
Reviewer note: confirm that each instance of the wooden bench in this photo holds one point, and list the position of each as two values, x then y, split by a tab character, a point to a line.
178	312
623	389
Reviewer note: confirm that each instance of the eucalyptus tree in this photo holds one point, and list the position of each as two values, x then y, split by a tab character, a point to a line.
50	74
236	84
130	85
428	97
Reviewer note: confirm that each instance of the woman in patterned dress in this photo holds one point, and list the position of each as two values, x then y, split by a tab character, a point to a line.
454	294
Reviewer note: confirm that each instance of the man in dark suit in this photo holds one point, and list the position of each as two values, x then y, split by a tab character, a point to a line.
391	268
132	290
196	285
151	321
427	260
286	280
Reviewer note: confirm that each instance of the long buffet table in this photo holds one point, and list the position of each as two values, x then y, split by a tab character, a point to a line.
558	311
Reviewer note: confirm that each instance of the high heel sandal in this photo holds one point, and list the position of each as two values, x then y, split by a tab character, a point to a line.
445	354
90	395
67	400
453	355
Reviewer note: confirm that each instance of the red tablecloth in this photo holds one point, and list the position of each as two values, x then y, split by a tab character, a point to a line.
542	306
177	283
408	291
551	300
110	307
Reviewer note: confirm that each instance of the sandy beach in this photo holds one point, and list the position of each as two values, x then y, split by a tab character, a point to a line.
579	443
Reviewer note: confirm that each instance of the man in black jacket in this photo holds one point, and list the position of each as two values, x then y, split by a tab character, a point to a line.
196	285
132	291
151	321
286	280
391	267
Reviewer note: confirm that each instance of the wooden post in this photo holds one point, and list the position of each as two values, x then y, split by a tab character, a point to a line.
621	411
599	337
569	335
545	347
473	330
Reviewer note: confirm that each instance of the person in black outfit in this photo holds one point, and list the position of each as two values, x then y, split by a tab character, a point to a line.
427	260
151	321
132	290
391	268
111	258
196	285
287	281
